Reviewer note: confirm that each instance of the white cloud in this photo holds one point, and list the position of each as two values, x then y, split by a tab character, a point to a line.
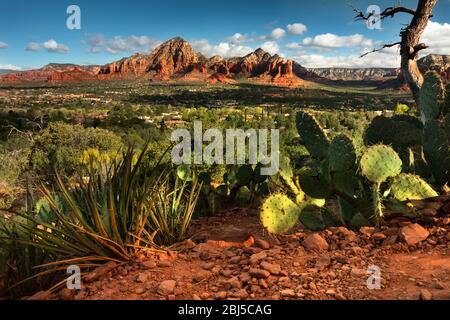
33	46
223	49
387	58
10	67
238	38
293	45
329	40
53	46
437	37
277	34
50	46
296	28
3	45
118	44
271	47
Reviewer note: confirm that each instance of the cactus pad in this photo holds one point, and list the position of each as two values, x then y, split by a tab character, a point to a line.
279	214
311	220
346	182
411	187
286	171
379	163
446	103
314	184
429	96
342	154
346	209
257	176
244	175
312	134
358	221
436	148
399	131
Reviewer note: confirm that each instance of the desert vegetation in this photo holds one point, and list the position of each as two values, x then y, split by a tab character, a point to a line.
90	180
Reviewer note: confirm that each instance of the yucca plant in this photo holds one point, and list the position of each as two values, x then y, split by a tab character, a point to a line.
108	215
102	218
18	261
171	210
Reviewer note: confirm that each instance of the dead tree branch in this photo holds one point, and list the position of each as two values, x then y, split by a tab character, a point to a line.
388	12
388	45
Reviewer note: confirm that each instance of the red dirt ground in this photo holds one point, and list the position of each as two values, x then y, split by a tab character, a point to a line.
229	255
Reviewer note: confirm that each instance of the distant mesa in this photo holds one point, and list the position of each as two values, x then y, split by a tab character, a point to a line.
356	74
176	60
432	62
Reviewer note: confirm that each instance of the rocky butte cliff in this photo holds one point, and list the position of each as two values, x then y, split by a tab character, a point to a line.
355	74
53	72
176	60
435	62
258	66
172	58
432	62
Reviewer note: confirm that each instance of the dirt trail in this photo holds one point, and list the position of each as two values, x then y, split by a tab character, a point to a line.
230	257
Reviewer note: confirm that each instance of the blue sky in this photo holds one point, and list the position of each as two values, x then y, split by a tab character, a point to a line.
315	33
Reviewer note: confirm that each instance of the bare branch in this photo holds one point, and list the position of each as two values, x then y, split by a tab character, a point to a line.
391	11
420	46
389	45
388	12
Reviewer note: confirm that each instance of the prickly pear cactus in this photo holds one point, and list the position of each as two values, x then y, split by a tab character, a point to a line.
257	176
436	142
286	171
400	131
411	187
314	184
279	214
379	163
342	154
311	220
244	174
346	182
446	103
378	130
429	96
359	221
312	134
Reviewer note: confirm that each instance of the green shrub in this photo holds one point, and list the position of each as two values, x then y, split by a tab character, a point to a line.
60	147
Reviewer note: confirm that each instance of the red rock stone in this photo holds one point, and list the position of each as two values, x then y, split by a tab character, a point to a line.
413	234
99	272
259	273
315	242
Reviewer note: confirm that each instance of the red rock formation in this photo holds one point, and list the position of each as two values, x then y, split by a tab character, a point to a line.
74	75
133	66
176	60
219	78
54	73
10	79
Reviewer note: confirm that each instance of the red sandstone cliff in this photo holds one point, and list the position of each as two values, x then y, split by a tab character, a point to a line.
175	60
